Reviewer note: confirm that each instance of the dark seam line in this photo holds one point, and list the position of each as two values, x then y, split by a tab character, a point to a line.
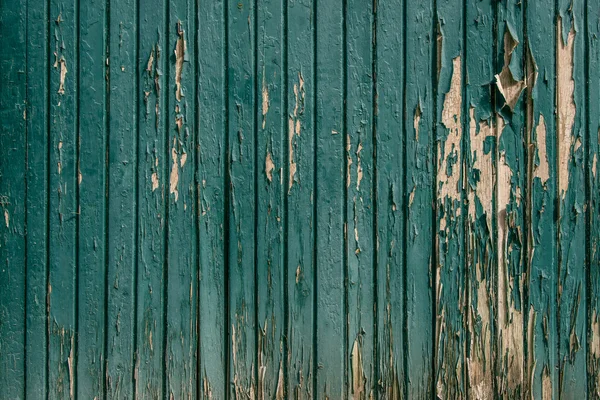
227	191
315	350
345	180
77	271
167	77
285	197
197	195
47	187
107	192
463	182
257	329
434	214
374	189
588	192
405	211
136	246
26	201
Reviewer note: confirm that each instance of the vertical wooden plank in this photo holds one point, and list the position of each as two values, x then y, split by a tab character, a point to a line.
390	218
212	171
13	142
182	278
541	229
418	196
450	285
359	148
331	333
480	245
593	125
299	174
38	64
270	186
241	166
152	192
510	209
63	199
570	122
91	180
122	199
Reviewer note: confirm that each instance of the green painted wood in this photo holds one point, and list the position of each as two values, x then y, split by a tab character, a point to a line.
91	170
63	200
593	193
299	199
480	171
213	168
450	274
390	198
418	189
299	174
510	209
13	189
37	117
181	258
542	252
152	186
359	218
242	168
331	336
271	138
571	145
122	249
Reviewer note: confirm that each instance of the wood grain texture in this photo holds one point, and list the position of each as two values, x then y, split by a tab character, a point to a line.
271	199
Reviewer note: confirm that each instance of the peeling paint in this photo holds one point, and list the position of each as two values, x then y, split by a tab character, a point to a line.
294	127
265	99
508	86
269	166
174	178
541	169
180	54
565	92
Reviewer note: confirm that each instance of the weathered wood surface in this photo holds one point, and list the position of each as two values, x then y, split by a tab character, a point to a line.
299	199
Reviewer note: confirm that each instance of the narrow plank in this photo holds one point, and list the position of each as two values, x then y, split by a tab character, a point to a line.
360	172
299	173
480	169
91	170
418	197
542	253
152	193
593	244
13	164
212	170
390	202
570	122
182	278
510	209
450	287
38	65
62	296
330	130
270	212
122	200
242	170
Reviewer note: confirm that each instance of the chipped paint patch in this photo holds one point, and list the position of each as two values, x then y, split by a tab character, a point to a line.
541	168
265	99
174	178
180	54
358	374
565	97
508	86
482	162
6	218
294	127
154	181
269	166
417	121
63	74
448	175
